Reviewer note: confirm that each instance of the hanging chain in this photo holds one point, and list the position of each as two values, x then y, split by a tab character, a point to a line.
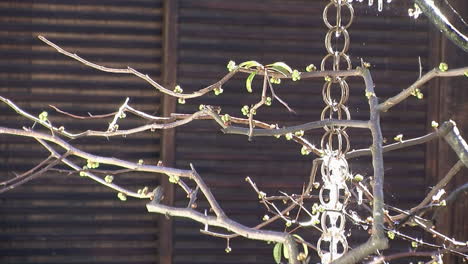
334	193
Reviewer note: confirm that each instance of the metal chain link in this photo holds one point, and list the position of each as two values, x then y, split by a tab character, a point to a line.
334	192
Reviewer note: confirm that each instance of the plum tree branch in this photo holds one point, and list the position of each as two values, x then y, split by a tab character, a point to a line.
435	15
251	128
444	129
378	240
389	103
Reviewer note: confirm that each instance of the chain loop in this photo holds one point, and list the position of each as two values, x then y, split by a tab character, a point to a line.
334	192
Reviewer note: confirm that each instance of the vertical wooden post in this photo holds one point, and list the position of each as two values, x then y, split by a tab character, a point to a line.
447	99
169	75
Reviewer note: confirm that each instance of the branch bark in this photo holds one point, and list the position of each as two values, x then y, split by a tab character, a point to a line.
437	18
378	240
391	102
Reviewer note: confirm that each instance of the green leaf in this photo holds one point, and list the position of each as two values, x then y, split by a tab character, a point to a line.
277	252
248	82
285	252
280	67
306	249
250	64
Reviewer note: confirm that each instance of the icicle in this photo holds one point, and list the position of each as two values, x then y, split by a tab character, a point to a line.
360	192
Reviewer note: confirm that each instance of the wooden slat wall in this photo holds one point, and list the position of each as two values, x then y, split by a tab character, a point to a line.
211	32
68	219
448	101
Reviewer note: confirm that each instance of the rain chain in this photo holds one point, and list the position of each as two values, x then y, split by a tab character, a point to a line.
334	192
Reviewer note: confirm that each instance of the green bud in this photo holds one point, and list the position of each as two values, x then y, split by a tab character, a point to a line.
228	250
122	196
178	89
201	107
122	115
181	101
311	68
289	136
358	178
321	209
443	67
226	118
305	151
231	66
109	178
414	244
140	162
288	223
299	133
420	96
391	235
296	75
434	124
218	90
398	138
174	179
369	94
328	79
92	164
43	116
245	110
315	207
266	218
268	101
261	195
275	80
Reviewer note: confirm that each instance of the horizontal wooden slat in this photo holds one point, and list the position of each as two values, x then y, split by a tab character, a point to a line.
70	219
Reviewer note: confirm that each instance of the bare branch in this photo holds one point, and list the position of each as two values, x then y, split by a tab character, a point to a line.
92	176
444	129
32	174
383	259
148	79
441	184
292	129
389	103
87	156
437	18
458	144
378	240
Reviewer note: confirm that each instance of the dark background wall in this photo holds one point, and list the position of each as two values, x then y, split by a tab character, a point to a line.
57	218
69	219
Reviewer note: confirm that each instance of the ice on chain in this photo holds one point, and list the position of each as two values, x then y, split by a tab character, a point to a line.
380	3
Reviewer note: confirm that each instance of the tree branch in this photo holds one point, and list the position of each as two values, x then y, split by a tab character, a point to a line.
378	240
148	79
441	184
442	131
292	129
389	103
437	18
458	144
